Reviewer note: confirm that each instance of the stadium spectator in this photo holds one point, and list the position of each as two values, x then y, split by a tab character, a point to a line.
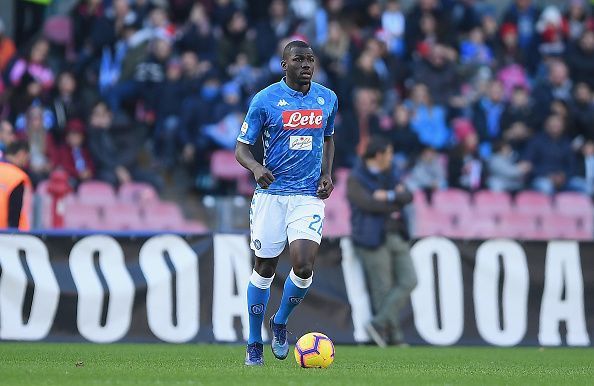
577	19
380	236
336	57
582	112
507	49
580	59
29	16
41	144
355	127
73	155
30	77
111	25
393	24
519	109
33	65
115	151
552	32
465	168
511	77
143	8
405	141
474	50
15	188
506	174
551	158
270	31
149	76
67	103
464	16
428	173
84	16
428	119
238	42
523	15
197	35
585	168
438	73
557	86
7	137
486	117
426	24
365	72
171	97
7	47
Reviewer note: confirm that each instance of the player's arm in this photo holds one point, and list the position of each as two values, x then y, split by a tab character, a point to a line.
325	185
244	156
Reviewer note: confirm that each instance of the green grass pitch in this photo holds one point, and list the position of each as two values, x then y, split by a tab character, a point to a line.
162	364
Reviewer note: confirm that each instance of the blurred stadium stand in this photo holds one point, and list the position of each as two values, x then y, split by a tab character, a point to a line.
177	76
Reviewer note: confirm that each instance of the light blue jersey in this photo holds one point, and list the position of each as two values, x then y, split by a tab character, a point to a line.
294	126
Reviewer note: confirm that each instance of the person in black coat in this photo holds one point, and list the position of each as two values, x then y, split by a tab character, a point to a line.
580	58
551	158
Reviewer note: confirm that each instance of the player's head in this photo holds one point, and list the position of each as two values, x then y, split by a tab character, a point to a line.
379	153
298	62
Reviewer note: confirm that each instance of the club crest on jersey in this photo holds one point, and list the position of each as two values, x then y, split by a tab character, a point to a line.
321	101
301	142
282	103
303	119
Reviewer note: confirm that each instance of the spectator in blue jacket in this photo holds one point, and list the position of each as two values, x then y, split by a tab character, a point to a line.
381	240
428	120
551	158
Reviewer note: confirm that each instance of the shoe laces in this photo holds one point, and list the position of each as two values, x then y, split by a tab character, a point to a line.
254	351
280	332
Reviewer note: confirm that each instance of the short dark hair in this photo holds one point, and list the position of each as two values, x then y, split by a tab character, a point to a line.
294	44
16	147
377	144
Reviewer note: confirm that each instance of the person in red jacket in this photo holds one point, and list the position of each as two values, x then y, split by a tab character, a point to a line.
73	156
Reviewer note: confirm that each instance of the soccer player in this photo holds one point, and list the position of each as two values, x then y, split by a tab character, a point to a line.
296	118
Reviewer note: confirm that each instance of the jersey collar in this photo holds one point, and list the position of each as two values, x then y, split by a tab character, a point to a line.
290	91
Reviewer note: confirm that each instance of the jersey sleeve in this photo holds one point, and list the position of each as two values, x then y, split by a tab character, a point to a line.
329	129
255	120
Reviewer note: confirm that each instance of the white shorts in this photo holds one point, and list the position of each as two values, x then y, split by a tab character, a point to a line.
276	218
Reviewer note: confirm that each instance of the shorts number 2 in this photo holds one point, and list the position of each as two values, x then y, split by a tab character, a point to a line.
317	219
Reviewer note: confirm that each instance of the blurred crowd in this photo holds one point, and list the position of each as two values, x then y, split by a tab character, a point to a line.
471	99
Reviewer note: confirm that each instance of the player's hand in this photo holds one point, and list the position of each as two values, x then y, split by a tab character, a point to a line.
325	186
263	176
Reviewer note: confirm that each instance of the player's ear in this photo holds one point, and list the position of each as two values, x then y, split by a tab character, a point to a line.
284	65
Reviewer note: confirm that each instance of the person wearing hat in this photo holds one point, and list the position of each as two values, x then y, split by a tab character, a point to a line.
73	156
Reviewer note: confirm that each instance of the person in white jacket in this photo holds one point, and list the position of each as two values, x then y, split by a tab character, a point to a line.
506	174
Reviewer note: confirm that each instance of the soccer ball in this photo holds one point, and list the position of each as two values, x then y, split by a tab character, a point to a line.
314	350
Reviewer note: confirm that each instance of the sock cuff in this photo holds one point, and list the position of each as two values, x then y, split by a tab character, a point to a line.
299	282
260	281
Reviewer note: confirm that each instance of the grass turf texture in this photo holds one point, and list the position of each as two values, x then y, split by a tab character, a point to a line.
161	364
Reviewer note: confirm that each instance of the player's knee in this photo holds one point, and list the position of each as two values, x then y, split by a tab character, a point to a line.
265	268
303	271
